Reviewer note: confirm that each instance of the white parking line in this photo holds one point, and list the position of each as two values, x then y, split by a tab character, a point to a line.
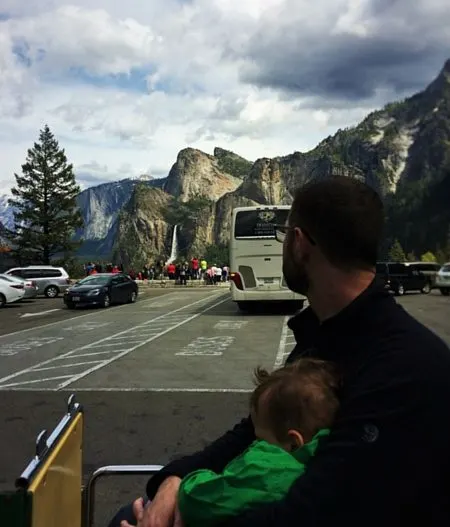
142	303
170	321
70	365
59	377
38	314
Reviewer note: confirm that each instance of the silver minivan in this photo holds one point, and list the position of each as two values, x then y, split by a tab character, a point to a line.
443	279
50	281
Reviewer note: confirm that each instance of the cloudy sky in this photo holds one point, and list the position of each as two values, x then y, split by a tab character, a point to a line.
126	85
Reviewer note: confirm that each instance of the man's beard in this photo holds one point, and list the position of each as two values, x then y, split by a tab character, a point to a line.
294	272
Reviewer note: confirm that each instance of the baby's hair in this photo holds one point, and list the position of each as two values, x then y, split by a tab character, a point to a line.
301	396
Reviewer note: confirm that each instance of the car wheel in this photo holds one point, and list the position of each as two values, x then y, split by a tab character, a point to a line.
70	305
51	291
400	291
2	301
445	291
106	301
133	297
426	289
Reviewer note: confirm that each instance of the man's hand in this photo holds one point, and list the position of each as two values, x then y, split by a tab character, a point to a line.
178	521
161	511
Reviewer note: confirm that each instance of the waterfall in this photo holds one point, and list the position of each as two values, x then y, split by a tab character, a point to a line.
174	247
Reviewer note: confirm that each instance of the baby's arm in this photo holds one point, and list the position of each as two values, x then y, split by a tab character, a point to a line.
206	498
259	475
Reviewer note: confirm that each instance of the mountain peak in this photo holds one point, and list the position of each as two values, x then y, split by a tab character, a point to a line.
446	68
143	177
441	84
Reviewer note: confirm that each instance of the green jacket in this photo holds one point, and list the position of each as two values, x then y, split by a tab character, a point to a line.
261	474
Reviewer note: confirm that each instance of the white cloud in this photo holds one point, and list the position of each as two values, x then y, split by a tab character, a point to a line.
125	86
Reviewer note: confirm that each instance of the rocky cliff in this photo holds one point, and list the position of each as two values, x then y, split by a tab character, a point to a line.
100	207
198	174
141	231
402	150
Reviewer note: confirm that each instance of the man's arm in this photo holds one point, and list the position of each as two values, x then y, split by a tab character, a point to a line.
378	465
214	457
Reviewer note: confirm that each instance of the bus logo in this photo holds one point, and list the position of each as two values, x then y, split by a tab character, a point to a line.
266	216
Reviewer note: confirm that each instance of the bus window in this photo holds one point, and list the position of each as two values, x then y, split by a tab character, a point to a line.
256	224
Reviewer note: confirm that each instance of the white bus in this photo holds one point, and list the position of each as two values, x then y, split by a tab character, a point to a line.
256	256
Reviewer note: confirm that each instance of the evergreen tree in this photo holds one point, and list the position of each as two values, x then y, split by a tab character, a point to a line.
44	199
396	252
428	257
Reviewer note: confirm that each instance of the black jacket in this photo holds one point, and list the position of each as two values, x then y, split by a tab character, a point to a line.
387	460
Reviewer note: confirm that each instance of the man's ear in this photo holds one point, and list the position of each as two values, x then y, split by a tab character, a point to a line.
302	242
295	439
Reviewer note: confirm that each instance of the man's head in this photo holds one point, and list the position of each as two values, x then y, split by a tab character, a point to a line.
337	222
290	405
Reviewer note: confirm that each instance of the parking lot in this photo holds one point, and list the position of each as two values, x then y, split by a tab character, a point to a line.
157	378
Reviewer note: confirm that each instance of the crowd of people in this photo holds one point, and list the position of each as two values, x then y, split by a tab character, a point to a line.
181	272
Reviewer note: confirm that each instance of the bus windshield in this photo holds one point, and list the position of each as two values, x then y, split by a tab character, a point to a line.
259	223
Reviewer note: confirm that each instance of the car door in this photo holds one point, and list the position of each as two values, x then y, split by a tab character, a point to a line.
416	280
114	290
120	289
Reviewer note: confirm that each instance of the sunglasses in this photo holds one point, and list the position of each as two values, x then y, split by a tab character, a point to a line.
282	230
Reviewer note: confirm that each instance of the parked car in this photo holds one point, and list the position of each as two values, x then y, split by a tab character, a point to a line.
10	292
102	289
429	269
443	279
50	281
31	290
401	277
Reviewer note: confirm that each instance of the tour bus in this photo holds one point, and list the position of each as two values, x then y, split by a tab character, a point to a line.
256	257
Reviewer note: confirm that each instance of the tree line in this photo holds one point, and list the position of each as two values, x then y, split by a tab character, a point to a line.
397	254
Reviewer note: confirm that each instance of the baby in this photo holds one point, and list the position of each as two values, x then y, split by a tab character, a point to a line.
292	409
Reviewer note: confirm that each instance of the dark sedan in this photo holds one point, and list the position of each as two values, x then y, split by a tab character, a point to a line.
103	290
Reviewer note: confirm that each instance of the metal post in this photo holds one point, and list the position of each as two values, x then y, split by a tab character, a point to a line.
112	470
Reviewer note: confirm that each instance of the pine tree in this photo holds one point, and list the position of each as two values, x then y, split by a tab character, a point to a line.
396	252
428	257
44	198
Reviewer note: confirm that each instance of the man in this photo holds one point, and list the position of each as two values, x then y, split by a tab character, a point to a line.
387	459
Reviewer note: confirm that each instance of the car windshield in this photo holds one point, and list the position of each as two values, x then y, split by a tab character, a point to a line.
445	268
95	280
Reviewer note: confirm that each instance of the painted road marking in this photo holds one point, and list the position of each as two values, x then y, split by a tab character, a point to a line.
91	314
88	326
206	346
282	353
59	377
230	324
70	365
25	315
162	325
8	350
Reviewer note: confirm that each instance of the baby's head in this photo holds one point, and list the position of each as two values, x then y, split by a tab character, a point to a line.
291	404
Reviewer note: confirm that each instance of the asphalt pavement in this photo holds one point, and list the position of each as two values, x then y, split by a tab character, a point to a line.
157	378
